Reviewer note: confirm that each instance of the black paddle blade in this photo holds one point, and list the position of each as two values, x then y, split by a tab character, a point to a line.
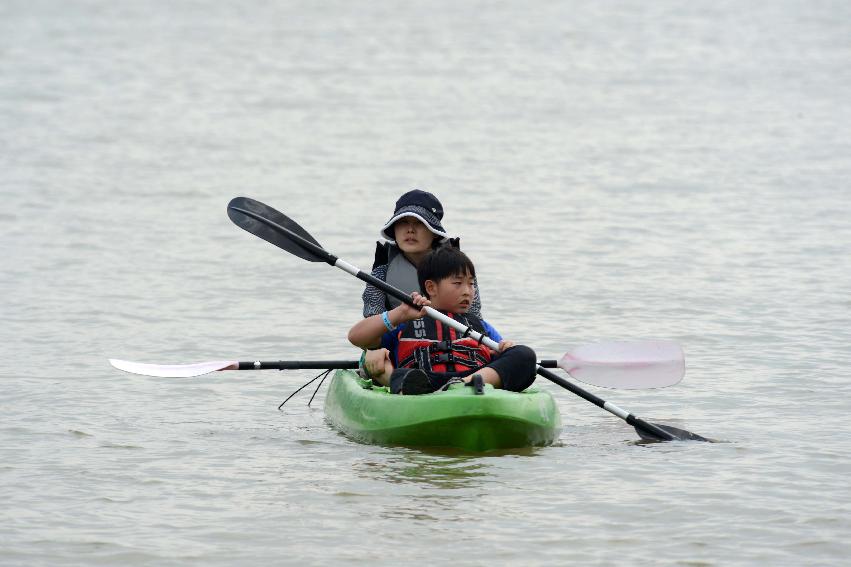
272	226
679	434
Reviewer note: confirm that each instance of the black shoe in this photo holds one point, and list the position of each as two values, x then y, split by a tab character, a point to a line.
410	382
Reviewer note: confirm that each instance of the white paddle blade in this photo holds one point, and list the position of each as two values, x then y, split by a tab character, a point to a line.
628	365
173	370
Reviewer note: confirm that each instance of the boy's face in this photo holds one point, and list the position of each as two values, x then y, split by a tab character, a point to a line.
454	294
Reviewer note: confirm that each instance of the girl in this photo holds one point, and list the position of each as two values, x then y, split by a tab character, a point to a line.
413	231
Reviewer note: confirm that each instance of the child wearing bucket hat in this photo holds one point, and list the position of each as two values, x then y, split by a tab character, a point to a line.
412	232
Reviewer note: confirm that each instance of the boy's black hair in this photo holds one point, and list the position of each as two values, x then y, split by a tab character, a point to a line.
441	263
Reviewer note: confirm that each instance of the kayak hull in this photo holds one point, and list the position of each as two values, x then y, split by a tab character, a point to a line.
455	418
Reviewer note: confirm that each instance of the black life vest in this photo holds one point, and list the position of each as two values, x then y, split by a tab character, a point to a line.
432	346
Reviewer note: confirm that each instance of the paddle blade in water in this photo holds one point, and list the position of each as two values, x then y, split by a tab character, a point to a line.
272	226
628	365
679	434
172	370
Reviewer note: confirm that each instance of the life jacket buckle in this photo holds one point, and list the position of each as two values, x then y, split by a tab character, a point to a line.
444	357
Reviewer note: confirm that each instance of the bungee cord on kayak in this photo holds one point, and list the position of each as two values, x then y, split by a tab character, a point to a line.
316	391
322	375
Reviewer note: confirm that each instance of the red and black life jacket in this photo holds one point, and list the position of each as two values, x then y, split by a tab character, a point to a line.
432	346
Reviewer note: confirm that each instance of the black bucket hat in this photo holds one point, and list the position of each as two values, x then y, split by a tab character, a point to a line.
421	205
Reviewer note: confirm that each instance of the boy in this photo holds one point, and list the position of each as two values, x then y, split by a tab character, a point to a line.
425	353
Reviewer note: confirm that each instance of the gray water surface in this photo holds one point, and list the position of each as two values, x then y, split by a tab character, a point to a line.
616	170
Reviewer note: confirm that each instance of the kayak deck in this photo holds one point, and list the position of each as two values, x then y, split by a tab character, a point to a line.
453	418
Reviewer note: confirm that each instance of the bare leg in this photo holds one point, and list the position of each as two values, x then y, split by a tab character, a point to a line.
517	364
383	378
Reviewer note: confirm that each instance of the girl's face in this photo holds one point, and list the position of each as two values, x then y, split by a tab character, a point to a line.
412	236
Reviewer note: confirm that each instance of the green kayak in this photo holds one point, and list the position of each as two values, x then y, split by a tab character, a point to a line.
452	418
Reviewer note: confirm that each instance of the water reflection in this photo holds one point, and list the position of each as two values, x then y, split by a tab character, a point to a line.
442	468
438	485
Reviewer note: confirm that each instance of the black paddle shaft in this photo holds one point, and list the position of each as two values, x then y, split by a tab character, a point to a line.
298	365
641	426
325	365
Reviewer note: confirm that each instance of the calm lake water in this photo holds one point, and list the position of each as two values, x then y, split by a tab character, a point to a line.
617	170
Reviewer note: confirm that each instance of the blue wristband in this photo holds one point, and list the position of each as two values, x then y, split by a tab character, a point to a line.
386	319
